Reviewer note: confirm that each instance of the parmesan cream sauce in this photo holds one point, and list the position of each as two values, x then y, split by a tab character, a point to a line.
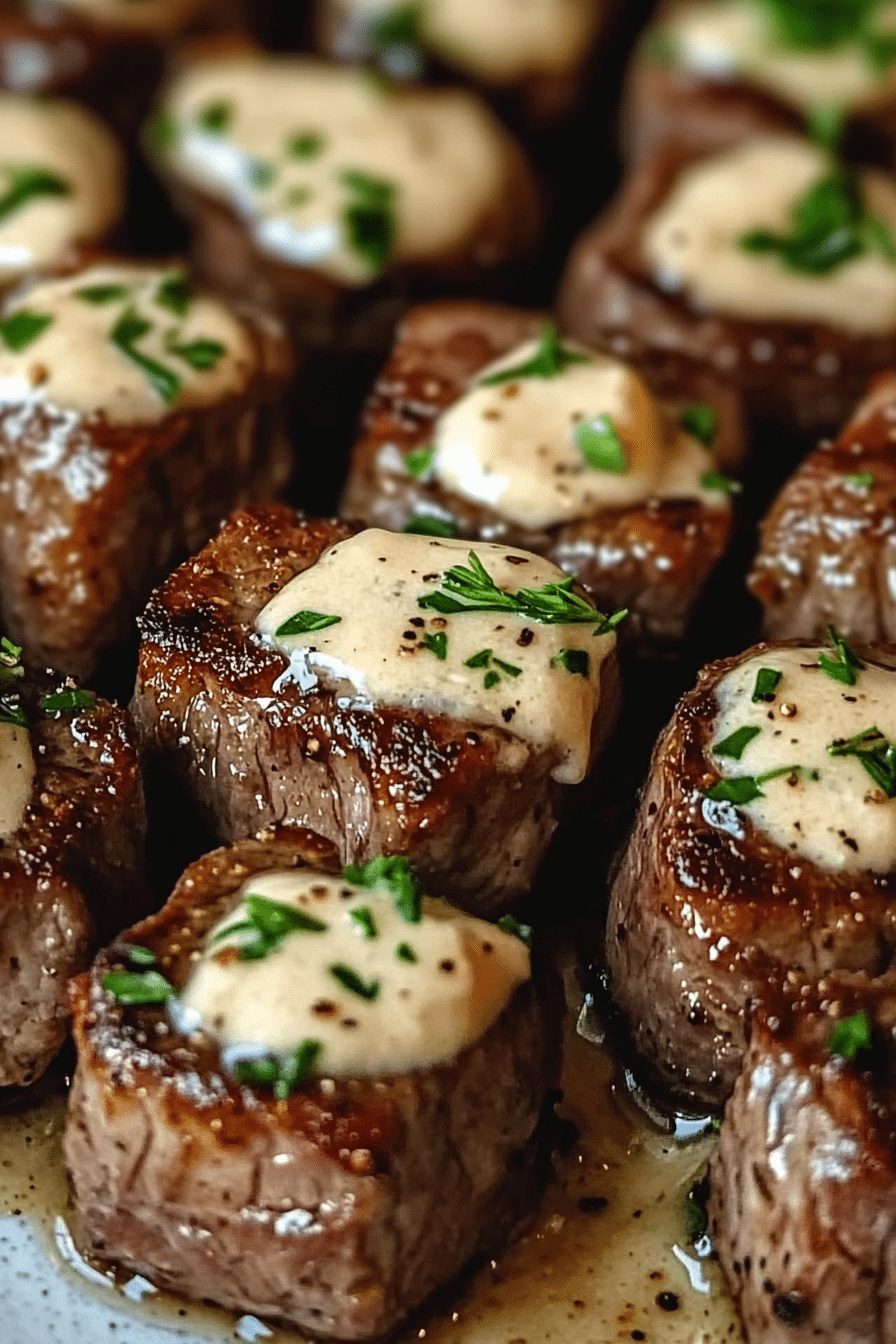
74	365
500	41
74	147
425	1011
380	652
149	16
440	152
17	772
841	821
512	447
735	40
692	241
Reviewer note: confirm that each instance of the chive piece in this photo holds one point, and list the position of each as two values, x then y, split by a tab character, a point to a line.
480	659
818	27
845	665
437	644
849	1036
63	702
263	1071
739	790
269	922
397	27
162	130
136	987
215	116
306	622
28	184
700	421
876	753
576	661
550	359
100	294
262	175
518	930
175	293
362	918
12	714
509	669
296	1068
306	145
418	461
21	328
491	679
768	680
128	329
717	480
390	873
861	480
350	980
370	218
139	956
404	952
428	525
201	354
734	744
295	197
599	443
825	123
781	770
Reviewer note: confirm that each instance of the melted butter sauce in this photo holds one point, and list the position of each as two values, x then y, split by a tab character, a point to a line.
604	1259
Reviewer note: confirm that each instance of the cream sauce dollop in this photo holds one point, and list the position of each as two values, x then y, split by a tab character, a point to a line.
146	16
423	1012
841	821
512	445
74	363
692	242
17	771
282	140
735	40
384	648
70	151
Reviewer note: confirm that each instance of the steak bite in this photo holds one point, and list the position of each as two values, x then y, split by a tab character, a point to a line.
483	424
828	545
303	1097
765	843
733	259
71	852
134	413
803	1189
304	673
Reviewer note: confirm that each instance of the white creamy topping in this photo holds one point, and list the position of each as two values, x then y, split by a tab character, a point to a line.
384	648
515	446
60	182
501	41
16	777
842	820
94	357
422	1012
736	40
692	242
150	16
288	144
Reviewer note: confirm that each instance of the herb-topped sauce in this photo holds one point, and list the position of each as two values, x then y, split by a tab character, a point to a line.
554	432
773	230
129	341
358	982
60	182
480	633
16	776
803	743
327	169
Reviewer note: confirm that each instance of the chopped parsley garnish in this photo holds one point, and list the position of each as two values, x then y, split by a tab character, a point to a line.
175	293
101	294
599	443
201	354
11	712
268	922
396	27
700	421
364	922
437	644
139	956
370	218
876	753
696	1219
283	1073
768	679
262	175
404	952
418	461
428	525
806	25
486	659
127	330
825	124
849	1036
861	480
742	789
19	329
162	130
576	661
307	145
516	929
306	622
550	359
390	873
734	744
28	184
215	116
136	987
352	981
64	702
830	225
845	665
717	480
474	589
11	670
10	667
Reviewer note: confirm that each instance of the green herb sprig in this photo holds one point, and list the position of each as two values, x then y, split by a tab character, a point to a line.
551	358
68	702
849	1036
876	753
390	873
284	1073
269	923
845	665
306	622
742	789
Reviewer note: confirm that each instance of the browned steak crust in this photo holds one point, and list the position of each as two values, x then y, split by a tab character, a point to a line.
828	542
70	876
338	1211
474	809
705	913
652	559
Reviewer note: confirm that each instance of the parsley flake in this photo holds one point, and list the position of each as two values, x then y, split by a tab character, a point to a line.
138	987
268	922
743	789
29	184
876	753
437	644
700	421
418	461
845	665
550	359
306	622
364	922
202	354
404	952
127	330
717	480
849	1036
215	116
21	328
768	679
352	981
516	929
390	873
599	443
860	480
284	1073
429	525
64	702
576	661
101	294
370	218
175	293
307	145
736	742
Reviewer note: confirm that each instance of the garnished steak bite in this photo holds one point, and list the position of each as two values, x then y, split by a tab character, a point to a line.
803	1190
765	842
309	1096
399	694
134	413
769	261
306	183
71	851
827	542
484	424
